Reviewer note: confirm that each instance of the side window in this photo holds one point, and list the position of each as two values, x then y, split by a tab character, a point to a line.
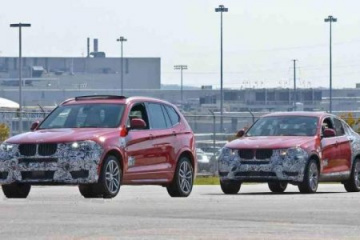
327	123
166	115
157	118
139	111
338	127
174	117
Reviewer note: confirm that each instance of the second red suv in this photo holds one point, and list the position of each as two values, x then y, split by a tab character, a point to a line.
101	143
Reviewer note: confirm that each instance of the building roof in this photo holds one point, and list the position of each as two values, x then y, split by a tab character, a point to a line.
6	103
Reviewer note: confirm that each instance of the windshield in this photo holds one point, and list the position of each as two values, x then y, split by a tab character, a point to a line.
284	126
84	116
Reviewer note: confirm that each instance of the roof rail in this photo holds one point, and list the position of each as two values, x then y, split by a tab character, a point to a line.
90	97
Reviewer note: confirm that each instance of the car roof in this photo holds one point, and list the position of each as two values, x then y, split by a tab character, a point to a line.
303	114
112	99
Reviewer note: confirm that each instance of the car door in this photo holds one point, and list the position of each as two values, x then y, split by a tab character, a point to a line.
329	148
139	147
343	161
159	163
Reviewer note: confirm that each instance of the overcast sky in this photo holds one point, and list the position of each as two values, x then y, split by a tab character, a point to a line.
261	37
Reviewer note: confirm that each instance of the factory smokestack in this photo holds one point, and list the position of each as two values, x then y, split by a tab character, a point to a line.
88	47
96	42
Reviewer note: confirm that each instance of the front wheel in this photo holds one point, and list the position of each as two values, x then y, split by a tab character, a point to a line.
182	183
16	190
109	181
311	178
230	187
277	187
353	184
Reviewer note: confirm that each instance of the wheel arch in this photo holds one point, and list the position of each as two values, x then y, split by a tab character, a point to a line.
115	153
317	160
189	155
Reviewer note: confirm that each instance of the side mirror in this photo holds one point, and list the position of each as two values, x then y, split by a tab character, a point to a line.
137	123
328	132
34	125
240	133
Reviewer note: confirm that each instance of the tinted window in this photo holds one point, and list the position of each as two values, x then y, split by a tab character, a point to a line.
174	117
84	116
338	127
139	111
157	119
166	115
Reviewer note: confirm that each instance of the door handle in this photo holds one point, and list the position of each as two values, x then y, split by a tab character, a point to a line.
173	133
336	143
151	136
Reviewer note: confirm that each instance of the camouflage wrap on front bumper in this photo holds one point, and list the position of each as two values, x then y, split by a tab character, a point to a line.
65	161
283	165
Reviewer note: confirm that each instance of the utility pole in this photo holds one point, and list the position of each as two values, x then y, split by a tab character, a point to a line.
221	9
181	68
20	25
121	40
330	19
295	93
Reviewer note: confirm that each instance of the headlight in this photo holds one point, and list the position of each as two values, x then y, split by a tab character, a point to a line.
7	147
83	145
292	152
228	152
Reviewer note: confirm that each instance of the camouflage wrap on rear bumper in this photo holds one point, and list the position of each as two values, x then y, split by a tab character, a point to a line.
283	165
65	161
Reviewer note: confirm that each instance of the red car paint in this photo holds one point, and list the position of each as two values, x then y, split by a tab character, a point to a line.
153	153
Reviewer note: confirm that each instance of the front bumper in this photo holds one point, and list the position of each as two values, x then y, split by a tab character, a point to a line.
65	166
275	168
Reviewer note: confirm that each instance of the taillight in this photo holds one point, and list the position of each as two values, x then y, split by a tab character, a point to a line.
123	132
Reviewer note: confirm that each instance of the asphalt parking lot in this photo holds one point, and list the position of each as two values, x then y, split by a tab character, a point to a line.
147	212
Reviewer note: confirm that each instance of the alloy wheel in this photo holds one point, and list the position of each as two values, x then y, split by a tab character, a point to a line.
185	177
112	176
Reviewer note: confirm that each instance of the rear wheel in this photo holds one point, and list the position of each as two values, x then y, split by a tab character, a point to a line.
182	183
311	178
277	187
109	181
16	190
230	187
353	184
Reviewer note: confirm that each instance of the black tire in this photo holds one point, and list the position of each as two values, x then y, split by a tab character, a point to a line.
277	187
90	190
353	184
16	190
230	187
311	178
109	181
182	183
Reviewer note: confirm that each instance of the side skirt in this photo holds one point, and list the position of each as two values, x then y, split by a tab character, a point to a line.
335	177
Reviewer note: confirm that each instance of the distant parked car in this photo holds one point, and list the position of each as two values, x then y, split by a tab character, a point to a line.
203	161
301	148
101	143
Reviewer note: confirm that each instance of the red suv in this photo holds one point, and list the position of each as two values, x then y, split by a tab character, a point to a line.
101	143
301	148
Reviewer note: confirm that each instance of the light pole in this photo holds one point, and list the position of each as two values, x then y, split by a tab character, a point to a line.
121	40
181	68
20	25
221	9
294	107
330	19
